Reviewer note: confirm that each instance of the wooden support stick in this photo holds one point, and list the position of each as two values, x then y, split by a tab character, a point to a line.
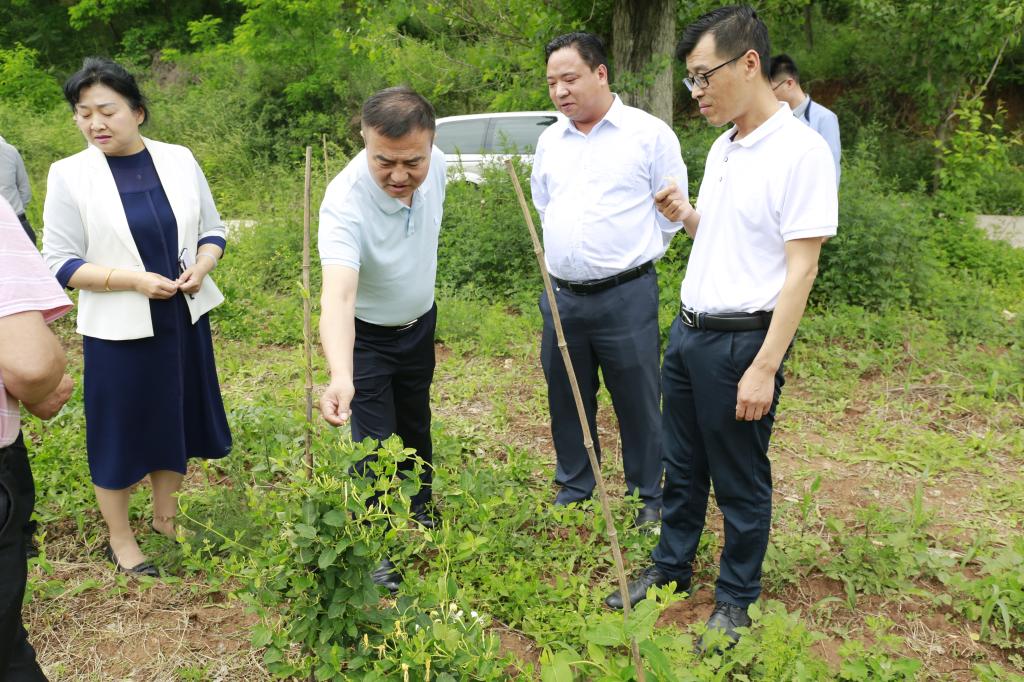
327	172
307	326
588	440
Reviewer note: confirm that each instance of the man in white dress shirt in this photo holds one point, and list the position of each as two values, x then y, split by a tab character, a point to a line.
594	179
767	199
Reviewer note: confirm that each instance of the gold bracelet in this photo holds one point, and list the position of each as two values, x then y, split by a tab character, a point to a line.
211	257
106	282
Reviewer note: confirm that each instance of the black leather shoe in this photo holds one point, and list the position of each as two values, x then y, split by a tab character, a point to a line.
638	586
726	617
426	516
387	576
565	497
648	519
144	568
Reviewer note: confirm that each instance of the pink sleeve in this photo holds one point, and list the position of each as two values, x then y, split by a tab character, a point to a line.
25	281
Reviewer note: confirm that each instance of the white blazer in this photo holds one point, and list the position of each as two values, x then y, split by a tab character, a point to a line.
83	218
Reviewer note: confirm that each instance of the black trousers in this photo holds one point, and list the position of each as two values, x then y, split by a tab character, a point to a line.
615	330
28	228
705	444
17	496
393	369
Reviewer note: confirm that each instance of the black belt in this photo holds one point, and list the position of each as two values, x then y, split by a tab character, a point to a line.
383	328
725	322
596	285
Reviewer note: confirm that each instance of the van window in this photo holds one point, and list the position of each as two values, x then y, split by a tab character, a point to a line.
461	137
518	134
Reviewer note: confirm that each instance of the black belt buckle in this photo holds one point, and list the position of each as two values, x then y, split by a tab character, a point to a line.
691	318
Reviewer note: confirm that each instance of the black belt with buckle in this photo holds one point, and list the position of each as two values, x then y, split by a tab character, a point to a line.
386	328
725	322
596	285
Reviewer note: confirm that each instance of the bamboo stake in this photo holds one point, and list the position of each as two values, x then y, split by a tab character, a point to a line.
588	440
327	173
307	327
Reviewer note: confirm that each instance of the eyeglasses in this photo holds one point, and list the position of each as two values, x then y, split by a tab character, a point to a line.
779	84
700	80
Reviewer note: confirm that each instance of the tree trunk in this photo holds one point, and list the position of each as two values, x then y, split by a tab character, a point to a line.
643	37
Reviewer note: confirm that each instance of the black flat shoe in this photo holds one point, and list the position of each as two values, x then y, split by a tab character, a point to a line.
726	618
638	586
648	519
387	576
145	568
426	516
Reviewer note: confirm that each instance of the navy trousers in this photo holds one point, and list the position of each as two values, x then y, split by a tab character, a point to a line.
17	497
705	444
615	330
392	372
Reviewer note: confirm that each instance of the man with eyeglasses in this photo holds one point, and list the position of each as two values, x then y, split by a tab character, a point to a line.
767	199
785	78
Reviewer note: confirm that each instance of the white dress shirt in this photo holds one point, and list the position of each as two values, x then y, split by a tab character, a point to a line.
595	193
776	184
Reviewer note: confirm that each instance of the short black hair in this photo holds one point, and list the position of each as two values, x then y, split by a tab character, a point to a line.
104	71
736	28
590	48
395	112
783	65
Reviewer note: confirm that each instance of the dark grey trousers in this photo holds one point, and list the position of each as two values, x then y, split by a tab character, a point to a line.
704	445
615	330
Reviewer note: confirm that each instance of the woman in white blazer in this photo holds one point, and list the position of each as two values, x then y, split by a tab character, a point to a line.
131	223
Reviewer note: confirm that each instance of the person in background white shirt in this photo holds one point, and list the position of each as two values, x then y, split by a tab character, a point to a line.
594	178
785	78
14	186
767	199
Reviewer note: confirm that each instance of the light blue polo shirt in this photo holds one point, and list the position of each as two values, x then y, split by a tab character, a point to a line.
391	245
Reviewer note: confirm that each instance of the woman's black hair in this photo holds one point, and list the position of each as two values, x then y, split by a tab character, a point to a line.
104	71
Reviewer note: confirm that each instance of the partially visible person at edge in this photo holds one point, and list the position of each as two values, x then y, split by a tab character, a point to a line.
785	79
595	174
379	226
32	366
14	185
767	199
130	222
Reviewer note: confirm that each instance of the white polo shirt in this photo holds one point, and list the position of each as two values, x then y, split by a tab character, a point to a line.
595	192
391	245
776	184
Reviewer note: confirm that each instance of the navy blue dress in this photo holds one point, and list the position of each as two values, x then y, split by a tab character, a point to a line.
151	403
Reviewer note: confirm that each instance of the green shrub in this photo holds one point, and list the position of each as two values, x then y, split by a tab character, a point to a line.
484	243
882	254
23	82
